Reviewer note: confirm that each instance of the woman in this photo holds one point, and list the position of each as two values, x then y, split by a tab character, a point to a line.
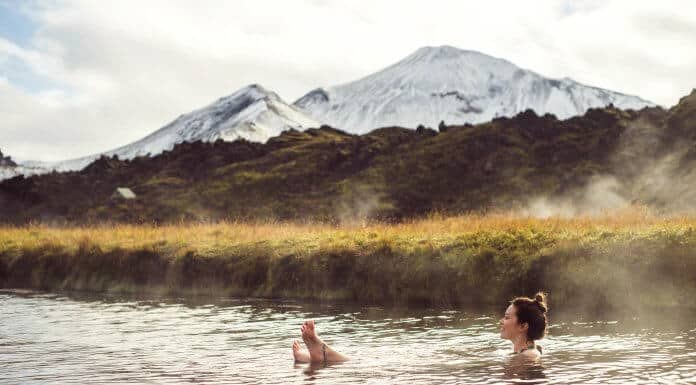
524	322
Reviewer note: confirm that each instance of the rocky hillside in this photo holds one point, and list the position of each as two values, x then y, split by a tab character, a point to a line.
6	161
606	158
7	167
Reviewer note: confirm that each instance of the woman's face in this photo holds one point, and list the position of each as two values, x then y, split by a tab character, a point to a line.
509	328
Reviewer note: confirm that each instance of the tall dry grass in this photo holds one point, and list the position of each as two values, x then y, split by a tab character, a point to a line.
443	260
434	229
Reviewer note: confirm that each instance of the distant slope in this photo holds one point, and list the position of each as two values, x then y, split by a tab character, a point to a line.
251	113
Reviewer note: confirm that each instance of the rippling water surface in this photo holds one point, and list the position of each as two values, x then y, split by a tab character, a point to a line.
68	339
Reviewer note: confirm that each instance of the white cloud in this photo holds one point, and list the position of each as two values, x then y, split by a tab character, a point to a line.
120	70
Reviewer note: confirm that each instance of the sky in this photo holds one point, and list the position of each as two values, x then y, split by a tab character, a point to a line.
83	77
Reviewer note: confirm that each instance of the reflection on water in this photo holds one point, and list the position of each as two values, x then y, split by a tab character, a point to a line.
55	338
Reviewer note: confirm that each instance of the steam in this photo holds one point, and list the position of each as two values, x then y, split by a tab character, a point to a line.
600	196
358	205
647	168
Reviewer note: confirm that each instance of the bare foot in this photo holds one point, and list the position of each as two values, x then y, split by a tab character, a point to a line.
300	354
313	342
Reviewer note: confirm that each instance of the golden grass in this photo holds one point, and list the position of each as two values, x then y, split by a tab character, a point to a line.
435	230
443	260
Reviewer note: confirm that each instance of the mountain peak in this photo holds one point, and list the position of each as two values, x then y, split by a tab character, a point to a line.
448	55
459	86
444	52
253	113
255	87
252	91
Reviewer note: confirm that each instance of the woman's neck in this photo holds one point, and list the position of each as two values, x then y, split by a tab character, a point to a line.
521	343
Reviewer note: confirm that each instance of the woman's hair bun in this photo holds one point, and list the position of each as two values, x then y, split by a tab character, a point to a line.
540	299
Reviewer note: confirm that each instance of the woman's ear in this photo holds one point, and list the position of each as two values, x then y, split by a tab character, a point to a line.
524	327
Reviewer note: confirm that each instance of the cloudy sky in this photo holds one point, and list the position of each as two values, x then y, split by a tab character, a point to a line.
81	77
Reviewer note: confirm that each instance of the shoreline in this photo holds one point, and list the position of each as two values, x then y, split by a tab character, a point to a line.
557	314
436	262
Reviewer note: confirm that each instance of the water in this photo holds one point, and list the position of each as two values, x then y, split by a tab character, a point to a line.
49	338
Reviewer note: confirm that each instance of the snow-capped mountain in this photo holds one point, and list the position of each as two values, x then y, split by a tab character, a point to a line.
454	85
252	113
428	86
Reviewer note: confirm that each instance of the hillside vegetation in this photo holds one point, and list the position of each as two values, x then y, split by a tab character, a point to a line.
605	159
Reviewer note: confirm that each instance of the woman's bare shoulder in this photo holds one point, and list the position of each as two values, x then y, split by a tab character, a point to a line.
528	355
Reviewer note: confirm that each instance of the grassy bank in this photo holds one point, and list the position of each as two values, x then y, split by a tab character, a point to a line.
629	258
